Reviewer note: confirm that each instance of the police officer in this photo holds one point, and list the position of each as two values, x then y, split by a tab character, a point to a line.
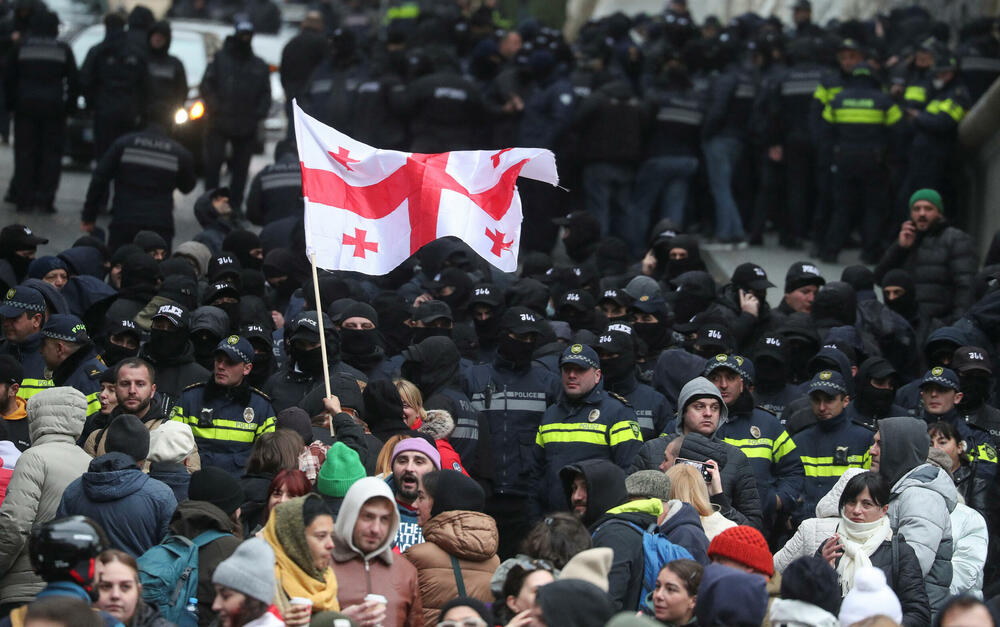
276	191
168	83
237	92
616	348
860	123
772	389
485	308
24	315
40	87
445	109
72	357
935	130
759	434
170	350
146	167
831	445
225	414
586	423
330	93
114	77
511	394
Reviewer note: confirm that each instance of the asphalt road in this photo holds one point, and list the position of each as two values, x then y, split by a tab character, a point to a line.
63	228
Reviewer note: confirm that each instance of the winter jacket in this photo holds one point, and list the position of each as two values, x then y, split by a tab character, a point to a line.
289	386
597	426
942	262
445	112
902	575
225	422
828	448
920	503
55	419
652	411
146	168
133	509
771	452
175	476
237	90
675	367
813	532
9	454
739	501
471	538
82	371
979	430
276	191
968	528
113	77
379	572
190	519
41	78
512	401
683	527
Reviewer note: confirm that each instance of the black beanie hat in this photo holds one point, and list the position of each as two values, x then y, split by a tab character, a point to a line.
811	580
475	605
218	487
383	406
454	490
858	277
126	434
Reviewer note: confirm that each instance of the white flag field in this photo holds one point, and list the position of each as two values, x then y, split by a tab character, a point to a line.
368	209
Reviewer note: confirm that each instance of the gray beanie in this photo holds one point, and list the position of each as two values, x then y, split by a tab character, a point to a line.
249	570
650	484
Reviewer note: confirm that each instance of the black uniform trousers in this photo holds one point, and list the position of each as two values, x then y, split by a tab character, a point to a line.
38	148
238	164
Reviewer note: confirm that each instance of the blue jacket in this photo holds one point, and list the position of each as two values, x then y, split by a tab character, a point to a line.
512	402
225	422
653	411
597	426
828	448
175	476
133	509
682	526
82	370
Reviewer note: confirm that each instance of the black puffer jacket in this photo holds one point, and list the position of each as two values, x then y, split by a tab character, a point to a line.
739	501
904	579
942	262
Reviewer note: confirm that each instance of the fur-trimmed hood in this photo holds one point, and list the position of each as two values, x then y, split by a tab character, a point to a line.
438	424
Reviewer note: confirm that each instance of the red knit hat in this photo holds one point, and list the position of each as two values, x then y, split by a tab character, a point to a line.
745	545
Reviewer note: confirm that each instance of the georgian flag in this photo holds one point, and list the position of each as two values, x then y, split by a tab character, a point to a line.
368	210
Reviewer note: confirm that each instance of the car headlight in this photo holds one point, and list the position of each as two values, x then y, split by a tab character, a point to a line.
181	116
197	110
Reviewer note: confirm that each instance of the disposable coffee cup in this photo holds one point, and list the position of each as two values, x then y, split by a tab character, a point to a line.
301	601
378	598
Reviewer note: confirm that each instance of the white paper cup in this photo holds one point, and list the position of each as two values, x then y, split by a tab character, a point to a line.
378	598
301	601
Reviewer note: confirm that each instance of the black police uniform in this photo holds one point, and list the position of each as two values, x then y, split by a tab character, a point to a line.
40	87
114	77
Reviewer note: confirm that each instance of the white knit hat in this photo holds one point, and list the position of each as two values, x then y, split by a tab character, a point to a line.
592	565
170	442
249	570
871	596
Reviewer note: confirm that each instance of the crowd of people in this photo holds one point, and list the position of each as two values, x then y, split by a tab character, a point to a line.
200	432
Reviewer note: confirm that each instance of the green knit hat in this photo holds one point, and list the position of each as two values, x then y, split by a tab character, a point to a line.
930	196
340	470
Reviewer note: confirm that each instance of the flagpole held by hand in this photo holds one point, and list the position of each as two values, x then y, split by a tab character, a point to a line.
322	332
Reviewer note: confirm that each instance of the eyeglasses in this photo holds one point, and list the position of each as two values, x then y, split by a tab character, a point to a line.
465	622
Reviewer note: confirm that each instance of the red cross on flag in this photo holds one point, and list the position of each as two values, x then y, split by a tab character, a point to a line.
368	209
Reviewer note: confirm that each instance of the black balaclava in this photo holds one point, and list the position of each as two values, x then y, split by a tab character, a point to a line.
462	286
656	335
262	363
906	305
872	401
581	237
695	292
392	312
488	330
618	369
359	342
771	373
280	262
975	390
164	344
114	353
240	242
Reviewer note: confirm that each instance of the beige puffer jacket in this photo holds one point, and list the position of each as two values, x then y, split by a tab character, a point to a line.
55	421
471	537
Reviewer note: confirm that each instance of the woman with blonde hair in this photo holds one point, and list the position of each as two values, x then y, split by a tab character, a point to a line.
413	403
687	485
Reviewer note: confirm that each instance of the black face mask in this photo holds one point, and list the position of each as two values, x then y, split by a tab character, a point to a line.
261	369
233	311
617	369
875	401
654	334
515	351
308	361
422	333
410	370
905	305
114	353
167	343
577	244
772	378
975	391
204	349
358	341
677	267
799	354
689	304
487	330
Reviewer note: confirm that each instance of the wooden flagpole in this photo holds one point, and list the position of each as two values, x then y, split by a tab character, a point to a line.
322	333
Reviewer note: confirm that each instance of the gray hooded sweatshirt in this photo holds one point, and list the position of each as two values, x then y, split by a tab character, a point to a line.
921	501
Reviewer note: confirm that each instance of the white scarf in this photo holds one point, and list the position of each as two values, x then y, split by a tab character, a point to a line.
859	540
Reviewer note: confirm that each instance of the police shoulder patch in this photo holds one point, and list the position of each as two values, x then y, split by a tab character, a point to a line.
266	397
619	397
765	409
94	373
199	384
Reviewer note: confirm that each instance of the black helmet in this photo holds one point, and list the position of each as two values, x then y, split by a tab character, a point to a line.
65	548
